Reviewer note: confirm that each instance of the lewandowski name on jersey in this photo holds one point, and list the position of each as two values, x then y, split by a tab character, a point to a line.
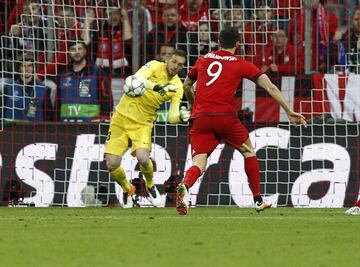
214	56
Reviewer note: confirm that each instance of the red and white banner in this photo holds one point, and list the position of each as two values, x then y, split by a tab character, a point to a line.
312	95
338	95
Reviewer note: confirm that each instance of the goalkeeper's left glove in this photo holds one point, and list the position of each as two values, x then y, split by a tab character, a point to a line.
166	88
184	114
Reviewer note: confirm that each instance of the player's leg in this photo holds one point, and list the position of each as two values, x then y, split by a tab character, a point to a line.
146	165
191	176
252	171
141	141
235	134
115	146
117	173
203	142
147	169
199	162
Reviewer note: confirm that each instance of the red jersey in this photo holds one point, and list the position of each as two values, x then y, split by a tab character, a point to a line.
218	76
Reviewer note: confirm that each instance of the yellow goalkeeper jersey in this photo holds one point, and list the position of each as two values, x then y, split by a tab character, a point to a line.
143	109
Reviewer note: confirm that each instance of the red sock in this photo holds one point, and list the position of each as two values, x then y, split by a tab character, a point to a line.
253	173
191	175
357	203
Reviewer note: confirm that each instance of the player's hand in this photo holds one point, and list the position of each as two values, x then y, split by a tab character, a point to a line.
297	118
184	114
15	30
166	88
274	67
338	35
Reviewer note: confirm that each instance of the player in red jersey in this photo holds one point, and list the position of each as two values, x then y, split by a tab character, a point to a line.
214	118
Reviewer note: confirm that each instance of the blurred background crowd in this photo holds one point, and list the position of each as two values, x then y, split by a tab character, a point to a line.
66	60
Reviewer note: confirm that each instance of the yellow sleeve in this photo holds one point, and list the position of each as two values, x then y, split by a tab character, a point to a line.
174	113
174	110
146	71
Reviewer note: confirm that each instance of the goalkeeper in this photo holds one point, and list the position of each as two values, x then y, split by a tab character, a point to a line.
134	118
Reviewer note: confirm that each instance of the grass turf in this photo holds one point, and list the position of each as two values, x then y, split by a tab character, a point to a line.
159	237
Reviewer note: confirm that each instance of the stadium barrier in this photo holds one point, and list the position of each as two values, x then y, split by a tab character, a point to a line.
314	167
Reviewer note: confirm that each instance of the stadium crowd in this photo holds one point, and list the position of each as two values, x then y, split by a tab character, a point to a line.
82	50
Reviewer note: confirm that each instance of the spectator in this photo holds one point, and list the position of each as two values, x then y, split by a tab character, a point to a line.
215	20
156	7
344	10
169	32
283	11
192	11
324	25
146	24
165	51
249	6
280	58
25	98
350	44
144	27
258	33
201	42
30	35
113	48
69	29
235	18
13	8
84	91
110	50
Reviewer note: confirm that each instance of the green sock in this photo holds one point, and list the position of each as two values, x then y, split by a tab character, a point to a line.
120	177
148	172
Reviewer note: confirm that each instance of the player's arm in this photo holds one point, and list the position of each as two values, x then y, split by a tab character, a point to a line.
264	82
175	114
188	91
146	71
189	82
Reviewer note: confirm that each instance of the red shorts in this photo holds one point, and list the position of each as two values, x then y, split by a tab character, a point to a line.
208	131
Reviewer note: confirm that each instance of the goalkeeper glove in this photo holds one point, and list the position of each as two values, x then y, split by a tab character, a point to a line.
166	88
184	114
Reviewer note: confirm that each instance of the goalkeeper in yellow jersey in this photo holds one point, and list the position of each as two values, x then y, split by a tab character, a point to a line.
134	118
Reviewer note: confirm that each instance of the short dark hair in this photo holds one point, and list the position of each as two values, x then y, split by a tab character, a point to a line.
180	53
164	45
228	37
171	6
73	42
22	58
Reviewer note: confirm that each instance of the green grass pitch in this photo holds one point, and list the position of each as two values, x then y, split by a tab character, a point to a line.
159	237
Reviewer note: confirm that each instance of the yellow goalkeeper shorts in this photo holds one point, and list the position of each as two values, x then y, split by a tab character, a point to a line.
121	130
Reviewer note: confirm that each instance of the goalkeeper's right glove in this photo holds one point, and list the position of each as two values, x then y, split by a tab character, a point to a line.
166	88
184	114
